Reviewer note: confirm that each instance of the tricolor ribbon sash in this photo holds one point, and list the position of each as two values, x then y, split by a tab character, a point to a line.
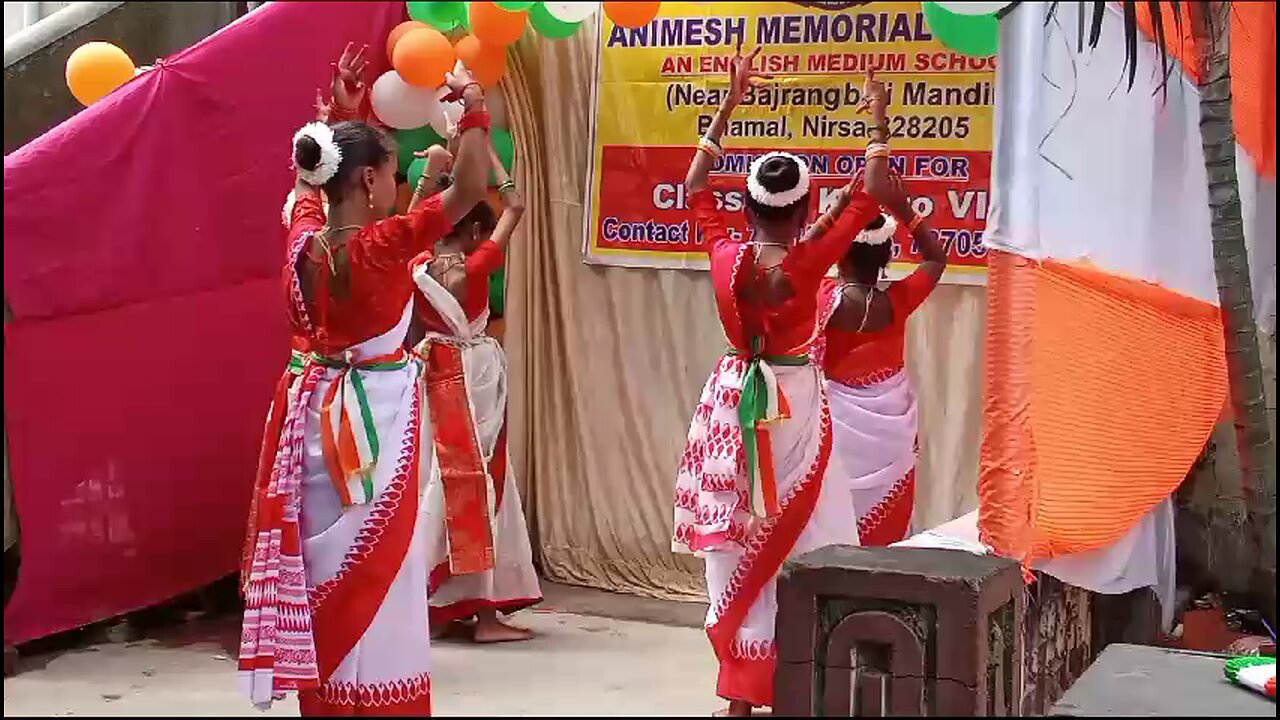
762	403
348	436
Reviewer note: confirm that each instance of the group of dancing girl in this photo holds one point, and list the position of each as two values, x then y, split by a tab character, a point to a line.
385	512
805	433
385	509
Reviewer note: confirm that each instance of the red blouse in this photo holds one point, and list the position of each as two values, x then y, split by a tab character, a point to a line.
860	358
479	265
787	328
379	284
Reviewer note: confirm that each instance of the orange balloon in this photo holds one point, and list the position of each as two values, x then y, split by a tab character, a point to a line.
632	14
97	68
488	63
496	26
422	57
398	32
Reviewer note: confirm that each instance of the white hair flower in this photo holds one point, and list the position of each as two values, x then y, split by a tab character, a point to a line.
782	198
330	153
880	235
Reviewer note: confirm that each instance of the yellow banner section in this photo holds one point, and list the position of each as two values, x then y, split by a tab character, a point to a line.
659	86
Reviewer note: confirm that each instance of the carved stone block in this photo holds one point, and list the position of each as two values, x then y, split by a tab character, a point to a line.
899	631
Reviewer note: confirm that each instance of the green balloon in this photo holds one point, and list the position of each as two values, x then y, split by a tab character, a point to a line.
444	15
498	293
514	5
410	141
506	147
415	171
549	25
973	35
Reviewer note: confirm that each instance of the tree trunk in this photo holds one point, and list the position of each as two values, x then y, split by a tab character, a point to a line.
1235	296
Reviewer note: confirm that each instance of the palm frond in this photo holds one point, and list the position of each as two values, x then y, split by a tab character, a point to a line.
1096	12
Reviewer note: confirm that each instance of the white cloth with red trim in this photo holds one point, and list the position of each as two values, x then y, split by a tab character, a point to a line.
512	583
874	433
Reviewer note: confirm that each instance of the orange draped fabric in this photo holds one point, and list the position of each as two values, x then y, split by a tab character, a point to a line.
1253	70
1074	352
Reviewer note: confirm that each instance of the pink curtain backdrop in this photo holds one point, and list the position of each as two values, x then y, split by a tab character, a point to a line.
142	255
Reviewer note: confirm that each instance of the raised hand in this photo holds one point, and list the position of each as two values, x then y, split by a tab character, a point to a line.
742	76
349	88
323	109
875	97
458	81
439	160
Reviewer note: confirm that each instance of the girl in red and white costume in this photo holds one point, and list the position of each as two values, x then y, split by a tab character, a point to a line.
751	490
873	406
477	540
335	595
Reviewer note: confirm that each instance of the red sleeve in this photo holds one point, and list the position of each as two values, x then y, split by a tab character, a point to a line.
907	294
484	260
399	238
820	253
708	218
308	214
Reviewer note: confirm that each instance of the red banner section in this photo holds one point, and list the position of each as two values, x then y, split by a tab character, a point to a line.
643	208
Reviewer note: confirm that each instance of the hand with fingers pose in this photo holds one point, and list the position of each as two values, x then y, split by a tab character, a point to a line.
349	88
742	77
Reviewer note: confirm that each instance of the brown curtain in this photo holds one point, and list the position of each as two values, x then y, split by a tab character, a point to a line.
607	362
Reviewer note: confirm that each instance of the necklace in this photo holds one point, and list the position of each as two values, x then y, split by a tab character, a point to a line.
323	237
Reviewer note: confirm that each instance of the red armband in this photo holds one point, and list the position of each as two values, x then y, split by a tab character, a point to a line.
474	119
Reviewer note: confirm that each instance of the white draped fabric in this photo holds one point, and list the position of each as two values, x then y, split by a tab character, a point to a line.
874	437
512	582
1069	134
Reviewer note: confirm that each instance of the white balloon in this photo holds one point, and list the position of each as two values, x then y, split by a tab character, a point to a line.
571	12
973	8
445	117
401	105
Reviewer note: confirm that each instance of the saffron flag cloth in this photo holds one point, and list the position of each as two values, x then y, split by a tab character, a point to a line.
1105	368
142	254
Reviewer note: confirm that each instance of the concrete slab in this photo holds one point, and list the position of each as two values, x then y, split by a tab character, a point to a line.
577	666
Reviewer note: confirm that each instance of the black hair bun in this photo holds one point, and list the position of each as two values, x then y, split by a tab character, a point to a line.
306	153
876	223
779	174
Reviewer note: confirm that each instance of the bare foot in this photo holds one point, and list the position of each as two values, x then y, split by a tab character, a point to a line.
453	628
489	629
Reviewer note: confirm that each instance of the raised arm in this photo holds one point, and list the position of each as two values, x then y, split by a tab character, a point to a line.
435	176
934	257
512	203
471	162
741	77
875	98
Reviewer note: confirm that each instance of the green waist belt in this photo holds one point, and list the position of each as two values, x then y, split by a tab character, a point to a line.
761	402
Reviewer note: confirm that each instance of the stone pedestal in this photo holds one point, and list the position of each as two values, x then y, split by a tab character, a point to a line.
899	631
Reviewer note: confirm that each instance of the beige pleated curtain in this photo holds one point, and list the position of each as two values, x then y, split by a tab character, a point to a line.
607	363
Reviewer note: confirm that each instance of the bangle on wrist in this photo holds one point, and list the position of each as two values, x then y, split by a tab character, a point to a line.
711	147
507	186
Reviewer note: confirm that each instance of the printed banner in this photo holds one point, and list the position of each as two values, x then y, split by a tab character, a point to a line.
659	86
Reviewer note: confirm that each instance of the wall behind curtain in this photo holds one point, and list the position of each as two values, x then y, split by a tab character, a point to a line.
607	363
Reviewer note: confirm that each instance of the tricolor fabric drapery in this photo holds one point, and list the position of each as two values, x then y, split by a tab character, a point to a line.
1105	356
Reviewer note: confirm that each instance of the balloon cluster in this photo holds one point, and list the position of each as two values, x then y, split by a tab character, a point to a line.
95	69
969	28
441	33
